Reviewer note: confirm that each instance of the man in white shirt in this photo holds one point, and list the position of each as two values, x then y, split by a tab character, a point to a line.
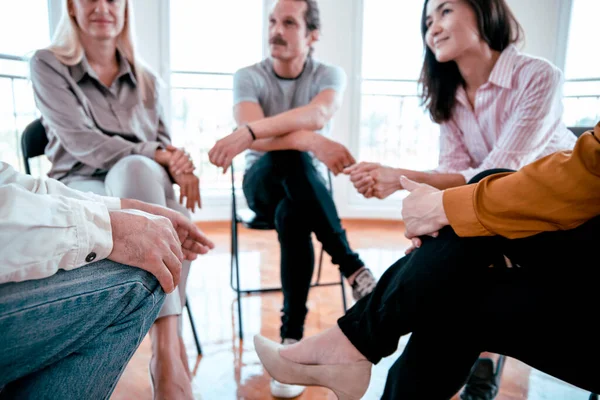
72	309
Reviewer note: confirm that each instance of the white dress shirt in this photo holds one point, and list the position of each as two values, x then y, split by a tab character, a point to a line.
46	226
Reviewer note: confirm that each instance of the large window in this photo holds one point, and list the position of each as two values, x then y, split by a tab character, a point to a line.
209	42
582	71
394	129
24	27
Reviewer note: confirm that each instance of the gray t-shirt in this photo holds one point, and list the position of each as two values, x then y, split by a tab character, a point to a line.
258	83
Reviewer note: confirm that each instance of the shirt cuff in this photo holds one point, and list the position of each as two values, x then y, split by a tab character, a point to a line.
460	210
94	232
112	203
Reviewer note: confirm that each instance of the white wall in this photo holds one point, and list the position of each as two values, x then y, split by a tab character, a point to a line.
340	44
545	23
150	32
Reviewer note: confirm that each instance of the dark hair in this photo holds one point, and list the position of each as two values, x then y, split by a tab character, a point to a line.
312	16
497	26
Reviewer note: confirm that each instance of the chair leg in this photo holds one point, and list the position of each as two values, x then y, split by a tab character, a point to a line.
193	324
318	281
236	264
235	255
343	292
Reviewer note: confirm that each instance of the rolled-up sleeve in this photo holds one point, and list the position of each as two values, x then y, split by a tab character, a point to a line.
67	118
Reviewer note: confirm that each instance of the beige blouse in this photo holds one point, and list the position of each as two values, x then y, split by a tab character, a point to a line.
91	126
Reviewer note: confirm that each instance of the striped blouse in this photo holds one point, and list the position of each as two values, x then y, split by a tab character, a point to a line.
517	118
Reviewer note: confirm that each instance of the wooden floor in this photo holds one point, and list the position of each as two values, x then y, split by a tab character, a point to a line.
230	369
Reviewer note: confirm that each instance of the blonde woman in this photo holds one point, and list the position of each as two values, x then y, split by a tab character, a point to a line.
100	107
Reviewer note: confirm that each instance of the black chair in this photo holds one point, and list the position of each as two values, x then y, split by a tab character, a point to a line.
248	219
579	130
33	144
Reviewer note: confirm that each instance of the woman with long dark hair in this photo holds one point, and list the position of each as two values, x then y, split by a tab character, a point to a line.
497	109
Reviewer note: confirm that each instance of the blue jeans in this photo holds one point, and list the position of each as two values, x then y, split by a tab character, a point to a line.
70	336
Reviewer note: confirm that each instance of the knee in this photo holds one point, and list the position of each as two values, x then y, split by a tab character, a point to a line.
290	220
136	166
118	272
291	159
139	283
135	177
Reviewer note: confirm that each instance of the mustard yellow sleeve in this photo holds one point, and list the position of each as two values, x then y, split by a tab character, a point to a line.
558	192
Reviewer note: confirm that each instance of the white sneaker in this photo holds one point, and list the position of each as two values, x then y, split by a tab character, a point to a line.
363	284
283	390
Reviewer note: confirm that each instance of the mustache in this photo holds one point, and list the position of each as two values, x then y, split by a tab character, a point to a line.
277	40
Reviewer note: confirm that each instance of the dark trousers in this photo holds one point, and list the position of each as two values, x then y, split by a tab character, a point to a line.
455	307
285	187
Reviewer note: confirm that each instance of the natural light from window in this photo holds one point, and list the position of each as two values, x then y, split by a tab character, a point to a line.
210	40
582	87
394	129
24	28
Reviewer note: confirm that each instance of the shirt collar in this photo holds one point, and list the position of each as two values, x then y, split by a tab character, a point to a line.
461	96
308	64
83	68
502	72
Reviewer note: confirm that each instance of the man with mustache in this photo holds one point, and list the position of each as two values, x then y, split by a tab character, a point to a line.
283	106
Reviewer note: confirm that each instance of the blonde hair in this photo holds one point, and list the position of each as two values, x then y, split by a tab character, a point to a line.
66	45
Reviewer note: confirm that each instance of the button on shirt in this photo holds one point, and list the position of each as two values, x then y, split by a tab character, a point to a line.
516	119
91	126
46	226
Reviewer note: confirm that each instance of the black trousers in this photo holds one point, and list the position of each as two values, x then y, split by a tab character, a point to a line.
455	307
285	187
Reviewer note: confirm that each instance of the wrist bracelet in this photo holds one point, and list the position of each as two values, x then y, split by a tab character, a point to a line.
251	132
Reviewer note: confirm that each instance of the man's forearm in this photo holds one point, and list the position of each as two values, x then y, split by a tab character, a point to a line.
306	118
298	140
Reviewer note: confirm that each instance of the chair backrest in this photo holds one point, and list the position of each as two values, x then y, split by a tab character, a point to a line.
33	142
579	130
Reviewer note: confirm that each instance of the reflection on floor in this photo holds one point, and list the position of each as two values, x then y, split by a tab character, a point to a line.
231	370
